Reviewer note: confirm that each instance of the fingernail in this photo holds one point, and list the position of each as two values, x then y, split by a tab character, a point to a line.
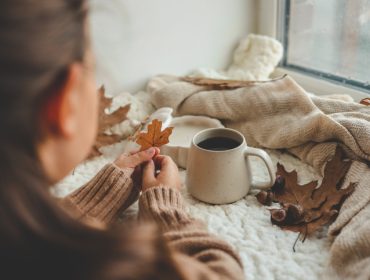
150	151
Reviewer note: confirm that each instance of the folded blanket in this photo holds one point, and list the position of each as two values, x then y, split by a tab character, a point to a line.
281	115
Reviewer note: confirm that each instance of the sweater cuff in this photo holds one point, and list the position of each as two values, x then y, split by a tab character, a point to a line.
106	194
165	206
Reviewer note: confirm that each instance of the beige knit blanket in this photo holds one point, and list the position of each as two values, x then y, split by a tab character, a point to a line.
281	115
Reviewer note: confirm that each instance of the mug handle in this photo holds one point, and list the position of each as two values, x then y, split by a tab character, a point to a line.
249	151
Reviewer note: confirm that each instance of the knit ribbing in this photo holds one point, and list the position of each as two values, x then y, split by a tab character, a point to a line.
163	205
109	192
350	252
188	236
359	173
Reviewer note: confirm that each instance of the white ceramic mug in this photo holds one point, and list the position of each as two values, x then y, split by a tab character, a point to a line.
223	176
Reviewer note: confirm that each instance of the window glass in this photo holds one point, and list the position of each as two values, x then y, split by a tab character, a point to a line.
329	38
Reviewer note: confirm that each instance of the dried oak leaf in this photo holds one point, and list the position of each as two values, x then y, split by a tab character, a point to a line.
106	121
306	208
154	137
219	84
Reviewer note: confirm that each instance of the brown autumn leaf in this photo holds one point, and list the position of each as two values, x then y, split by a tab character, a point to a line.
365	101
306	208
106	121
219	84
154	137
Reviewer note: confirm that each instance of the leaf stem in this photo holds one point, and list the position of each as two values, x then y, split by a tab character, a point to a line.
295	242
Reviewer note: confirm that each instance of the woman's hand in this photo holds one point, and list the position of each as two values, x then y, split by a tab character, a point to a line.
161	171
136	159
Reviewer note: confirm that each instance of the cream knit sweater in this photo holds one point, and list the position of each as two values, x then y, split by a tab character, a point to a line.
281	115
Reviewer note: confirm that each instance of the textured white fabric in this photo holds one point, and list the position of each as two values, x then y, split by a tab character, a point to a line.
266	250
280	115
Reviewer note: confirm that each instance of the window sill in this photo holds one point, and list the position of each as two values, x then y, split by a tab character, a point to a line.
320	86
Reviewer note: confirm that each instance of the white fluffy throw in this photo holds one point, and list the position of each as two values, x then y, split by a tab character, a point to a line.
254	59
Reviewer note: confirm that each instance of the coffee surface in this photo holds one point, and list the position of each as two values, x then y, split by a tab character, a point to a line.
218	144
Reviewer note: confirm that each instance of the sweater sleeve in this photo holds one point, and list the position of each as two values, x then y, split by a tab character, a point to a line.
104	196
197	254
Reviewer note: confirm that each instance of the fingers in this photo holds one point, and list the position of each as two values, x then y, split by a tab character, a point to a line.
167	173
133	160
157	151
148	173
136	176
136	158
164	163
160	160
143	156
149	168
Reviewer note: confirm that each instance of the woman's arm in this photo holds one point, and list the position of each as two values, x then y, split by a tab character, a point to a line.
110	192
104	196
196	253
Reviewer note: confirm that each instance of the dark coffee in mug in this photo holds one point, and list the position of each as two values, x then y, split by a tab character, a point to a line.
218	168
218	144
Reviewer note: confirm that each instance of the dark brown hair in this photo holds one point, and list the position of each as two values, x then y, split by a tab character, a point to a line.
39	39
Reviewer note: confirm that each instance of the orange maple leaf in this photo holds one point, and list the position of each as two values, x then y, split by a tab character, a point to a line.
155	137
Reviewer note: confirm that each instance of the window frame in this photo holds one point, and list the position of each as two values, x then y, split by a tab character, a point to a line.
271	22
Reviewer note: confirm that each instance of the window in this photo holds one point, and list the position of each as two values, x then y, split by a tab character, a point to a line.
329	39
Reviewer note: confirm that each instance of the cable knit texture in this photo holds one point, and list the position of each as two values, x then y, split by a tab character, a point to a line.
281	115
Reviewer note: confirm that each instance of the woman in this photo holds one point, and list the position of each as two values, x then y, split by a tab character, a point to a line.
48	117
